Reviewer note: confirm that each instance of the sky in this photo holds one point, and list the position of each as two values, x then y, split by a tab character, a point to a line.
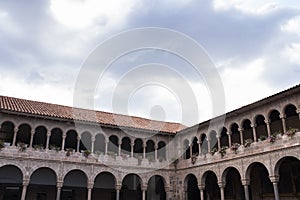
254	45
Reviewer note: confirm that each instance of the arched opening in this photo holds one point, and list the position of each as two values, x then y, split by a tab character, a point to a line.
213	140
55	139
193	192
233	189
292	117
187	150
126	146
235	134
224	138
40	137
156	188
85	141
212	190
11	178
138	148
195	146
150	151
75	185
7	132
161	151
260	185
104	186
261	127
248	132
71	140
131	188
113	145
203	143
24	134
275	122
99	143
288	169
42	184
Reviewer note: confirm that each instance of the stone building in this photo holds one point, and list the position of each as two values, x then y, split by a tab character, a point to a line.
57	152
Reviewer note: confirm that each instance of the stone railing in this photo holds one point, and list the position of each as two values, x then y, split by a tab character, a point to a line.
281	142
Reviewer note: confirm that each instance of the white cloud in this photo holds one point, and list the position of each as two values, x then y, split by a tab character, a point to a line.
81	14
8	26
292	52
292	26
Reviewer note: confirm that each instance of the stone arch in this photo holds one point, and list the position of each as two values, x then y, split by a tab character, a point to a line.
279	162
210	180
75	180
104	186
235	133
156	187
247	129
261	127
24	133
161	150
233	189
224	137
138	147
85	141
186	148
203	143
204	176
71	139
6	176
99	143
11	176
250	165
126	145
113	144
191	186
55	138
40	137
7	131
150	149
225	171
131	187
292	117
275	121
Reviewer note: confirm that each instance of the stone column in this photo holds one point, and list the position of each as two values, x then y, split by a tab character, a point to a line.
167	190
90	187
106	146
254	132
191	149
119	148
131	149
219	141
32	132
268	127
144	189
275	180
241	130
63	144
222	187
229	138
24	189
78	143
15	136
144	150
200	150
245	183
48	140
93	144
282	117
208	145
201	188
118	189
58	189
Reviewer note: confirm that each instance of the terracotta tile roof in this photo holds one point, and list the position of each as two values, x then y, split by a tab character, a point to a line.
64	112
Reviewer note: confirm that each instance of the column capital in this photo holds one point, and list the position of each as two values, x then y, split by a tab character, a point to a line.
267	121
245	181
240	129
49	134
118	187
282	116
59	184
16	129
32	132
90	185
64	135
201	187
253	125
144	187
222	184
25	182
229	133
274	179
132	144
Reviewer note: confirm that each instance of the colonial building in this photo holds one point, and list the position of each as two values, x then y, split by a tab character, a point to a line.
57	152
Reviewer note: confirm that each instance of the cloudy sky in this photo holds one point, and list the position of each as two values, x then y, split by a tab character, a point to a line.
254	45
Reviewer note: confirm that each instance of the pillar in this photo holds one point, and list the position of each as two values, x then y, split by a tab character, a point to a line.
144	150
208	145
241	130
282	117
93	144
268	127
275	180
119	147
229	138
245	183
58	189
78	143
24	189
219	141
200	150
90	187
201	188
32	132
15	136
191	149
106	146
144	189
63	141
118	189
222	187
48	140
131	149
253	126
